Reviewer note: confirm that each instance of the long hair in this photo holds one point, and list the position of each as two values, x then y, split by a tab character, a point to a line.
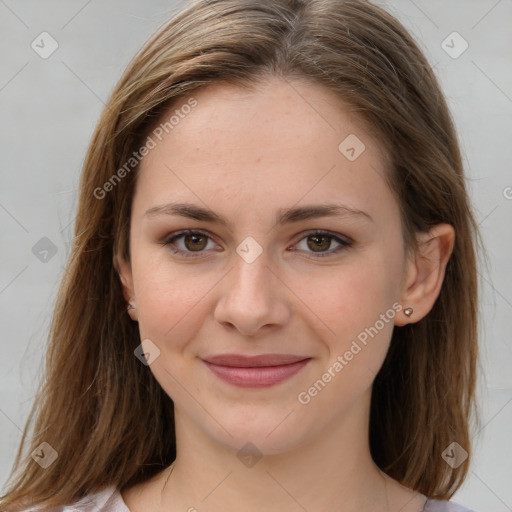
98	407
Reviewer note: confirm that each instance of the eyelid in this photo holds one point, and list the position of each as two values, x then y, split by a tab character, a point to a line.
344	241
169	240
337	236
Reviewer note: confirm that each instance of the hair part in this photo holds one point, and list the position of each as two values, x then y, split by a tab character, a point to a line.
104	412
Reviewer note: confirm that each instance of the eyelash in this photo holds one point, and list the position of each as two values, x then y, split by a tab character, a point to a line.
344	242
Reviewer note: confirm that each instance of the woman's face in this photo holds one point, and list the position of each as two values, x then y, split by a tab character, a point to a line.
248	173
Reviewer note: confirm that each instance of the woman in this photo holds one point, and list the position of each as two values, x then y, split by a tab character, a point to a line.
271	298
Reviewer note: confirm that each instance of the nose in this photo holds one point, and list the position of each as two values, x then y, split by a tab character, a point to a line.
253	298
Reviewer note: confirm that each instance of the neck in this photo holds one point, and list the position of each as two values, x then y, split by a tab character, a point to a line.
332	470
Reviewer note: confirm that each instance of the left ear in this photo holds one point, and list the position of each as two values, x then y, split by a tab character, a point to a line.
425	272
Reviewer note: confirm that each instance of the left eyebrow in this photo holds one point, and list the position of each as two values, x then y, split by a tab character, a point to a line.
296	214
283	216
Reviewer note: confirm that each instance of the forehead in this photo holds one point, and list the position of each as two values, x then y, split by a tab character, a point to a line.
280	141
299	112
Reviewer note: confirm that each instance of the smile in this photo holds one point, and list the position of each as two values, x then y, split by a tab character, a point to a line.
256	371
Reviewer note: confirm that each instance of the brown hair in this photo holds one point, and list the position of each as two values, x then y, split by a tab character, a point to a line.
99	407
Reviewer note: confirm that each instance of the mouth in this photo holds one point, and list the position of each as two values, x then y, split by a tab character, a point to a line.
255	371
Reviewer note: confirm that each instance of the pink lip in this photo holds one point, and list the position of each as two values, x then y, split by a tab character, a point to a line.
255	371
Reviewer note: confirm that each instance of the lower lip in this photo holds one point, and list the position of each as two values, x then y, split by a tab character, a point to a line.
256	377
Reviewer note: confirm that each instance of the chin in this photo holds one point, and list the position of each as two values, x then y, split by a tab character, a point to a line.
268	434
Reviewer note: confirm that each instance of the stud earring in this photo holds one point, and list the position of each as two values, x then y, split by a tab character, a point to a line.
408	311
130	306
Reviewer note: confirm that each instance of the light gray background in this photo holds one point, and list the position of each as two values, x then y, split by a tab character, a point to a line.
49	107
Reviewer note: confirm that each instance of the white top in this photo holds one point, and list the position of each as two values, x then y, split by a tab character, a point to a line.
110	500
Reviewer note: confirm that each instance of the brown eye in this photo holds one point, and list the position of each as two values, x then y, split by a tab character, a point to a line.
195	242
186	243
319	242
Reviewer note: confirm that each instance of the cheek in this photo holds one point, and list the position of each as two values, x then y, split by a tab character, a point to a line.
357	305
169	301
347	299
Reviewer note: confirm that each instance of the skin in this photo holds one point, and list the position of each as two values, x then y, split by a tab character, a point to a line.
246	155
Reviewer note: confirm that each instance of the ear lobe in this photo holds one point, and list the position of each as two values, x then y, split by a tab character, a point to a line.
426	272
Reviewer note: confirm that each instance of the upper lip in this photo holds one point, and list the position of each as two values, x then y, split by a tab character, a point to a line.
243	361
